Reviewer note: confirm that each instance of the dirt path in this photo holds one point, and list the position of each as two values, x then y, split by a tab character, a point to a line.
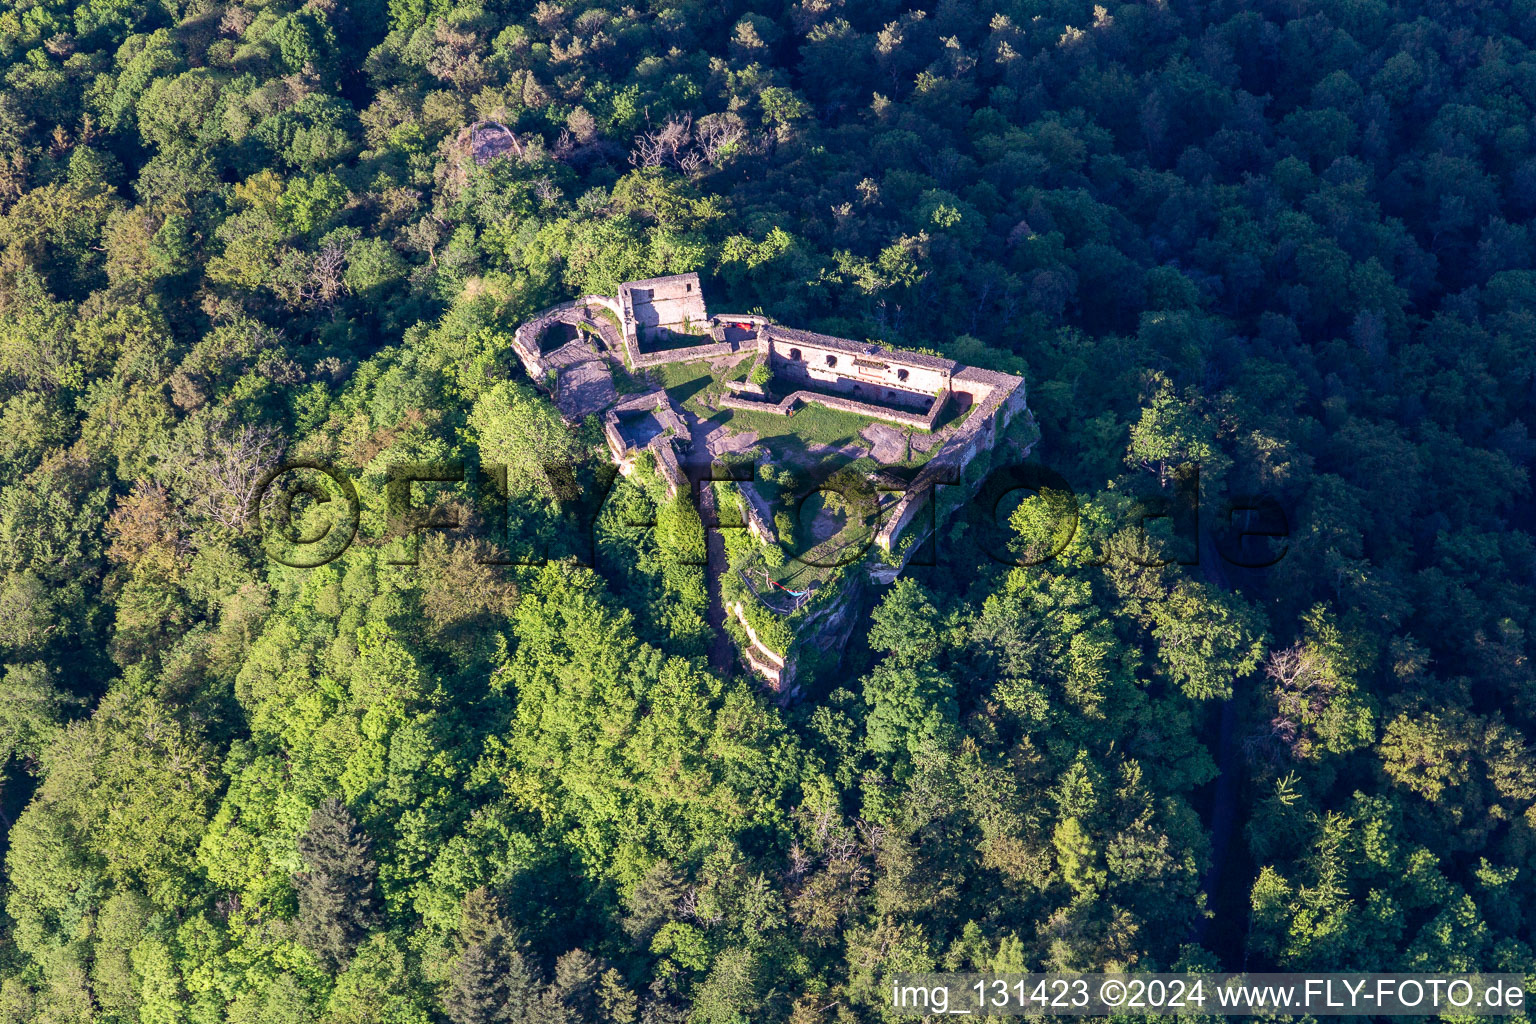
716	565
707	436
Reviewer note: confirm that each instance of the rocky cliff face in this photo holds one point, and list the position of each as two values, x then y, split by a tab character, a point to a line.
921	522
829	627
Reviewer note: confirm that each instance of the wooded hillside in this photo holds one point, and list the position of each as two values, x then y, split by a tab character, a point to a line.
1288	240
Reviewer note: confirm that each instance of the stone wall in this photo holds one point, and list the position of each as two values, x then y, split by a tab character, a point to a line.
827	628
639	360
769	664
828	360
997	398
756	513
786	406
607	302
525	340
657	305
664	302
902	514
667	465
617	446
859	389
662	446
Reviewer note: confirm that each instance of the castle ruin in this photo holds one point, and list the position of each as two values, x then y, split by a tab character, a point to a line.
665	320
572	348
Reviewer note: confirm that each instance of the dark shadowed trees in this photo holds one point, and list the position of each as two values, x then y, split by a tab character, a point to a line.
336	888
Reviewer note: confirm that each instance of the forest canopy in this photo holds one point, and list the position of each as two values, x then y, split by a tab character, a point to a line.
1288	242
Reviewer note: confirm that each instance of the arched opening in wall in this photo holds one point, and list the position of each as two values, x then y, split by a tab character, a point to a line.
831	360
901	374
794	355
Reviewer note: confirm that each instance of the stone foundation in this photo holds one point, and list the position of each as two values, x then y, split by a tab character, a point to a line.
663	446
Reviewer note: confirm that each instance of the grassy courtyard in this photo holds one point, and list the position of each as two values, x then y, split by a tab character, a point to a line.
695	387
812	442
